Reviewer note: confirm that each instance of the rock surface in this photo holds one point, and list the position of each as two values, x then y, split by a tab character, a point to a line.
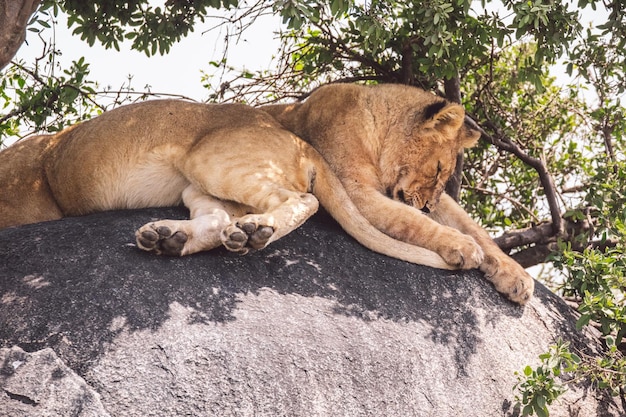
314	325
39	383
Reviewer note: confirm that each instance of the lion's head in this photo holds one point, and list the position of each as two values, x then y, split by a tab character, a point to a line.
419	154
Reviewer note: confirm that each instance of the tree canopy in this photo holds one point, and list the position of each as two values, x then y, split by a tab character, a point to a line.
545	89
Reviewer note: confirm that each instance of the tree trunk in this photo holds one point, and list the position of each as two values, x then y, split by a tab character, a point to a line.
14	17
453	187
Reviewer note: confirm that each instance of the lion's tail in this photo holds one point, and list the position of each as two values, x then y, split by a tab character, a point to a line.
332	195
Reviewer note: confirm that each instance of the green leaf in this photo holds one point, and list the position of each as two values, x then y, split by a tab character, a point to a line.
583	321
610	341
541	411
528	410
68	95
541	401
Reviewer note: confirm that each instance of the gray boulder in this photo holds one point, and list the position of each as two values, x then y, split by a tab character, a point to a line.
314	325
40	384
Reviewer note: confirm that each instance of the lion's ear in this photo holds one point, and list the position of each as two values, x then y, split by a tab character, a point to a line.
470	133
439	117
443	116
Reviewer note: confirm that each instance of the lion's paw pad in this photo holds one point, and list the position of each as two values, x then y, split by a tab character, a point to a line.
259	237
235	239
243	236
161	239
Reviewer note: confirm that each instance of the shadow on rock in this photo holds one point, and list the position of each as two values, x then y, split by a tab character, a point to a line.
68	283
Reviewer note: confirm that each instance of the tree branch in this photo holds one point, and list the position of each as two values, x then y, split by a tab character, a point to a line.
505	143
534	255
406	72
542	241
533	235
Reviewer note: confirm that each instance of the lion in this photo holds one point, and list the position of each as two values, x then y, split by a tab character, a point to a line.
248	178
245	179
394	148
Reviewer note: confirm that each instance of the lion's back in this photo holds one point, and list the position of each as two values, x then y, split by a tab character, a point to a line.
25	195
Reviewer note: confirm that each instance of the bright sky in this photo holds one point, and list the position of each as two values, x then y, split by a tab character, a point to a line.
178	72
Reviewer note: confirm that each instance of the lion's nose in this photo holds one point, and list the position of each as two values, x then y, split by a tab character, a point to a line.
425	209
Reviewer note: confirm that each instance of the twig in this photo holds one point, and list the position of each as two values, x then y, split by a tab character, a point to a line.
505	143
513	201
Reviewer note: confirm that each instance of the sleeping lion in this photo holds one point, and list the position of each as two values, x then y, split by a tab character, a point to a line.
247	180
394	148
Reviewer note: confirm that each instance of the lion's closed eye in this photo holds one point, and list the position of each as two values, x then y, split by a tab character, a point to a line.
437	174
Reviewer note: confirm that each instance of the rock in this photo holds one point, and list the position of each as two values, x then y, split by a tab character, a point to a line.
32	382
314	325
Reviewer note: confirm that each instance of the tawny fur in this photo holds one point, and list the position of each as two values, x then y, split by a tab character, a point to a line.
394	147
245	179
248	181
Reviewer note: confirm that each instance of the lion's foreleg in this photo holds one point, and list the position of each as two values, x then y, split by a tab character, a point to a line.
406	223
507	275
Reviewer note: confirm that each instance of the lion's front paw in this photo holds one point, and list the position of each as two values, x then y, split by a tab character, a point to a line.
461	251
248	232
509	278
161	239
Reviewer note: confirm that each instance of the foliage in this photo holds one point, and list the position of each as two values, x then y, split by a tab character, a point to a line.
546	121
45	97
597	274
597	277
416	43
151	29
607	371
538	387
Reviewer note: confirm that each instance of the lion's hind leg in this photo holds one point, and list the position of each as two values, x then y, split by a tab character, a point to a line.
261	167
209	216
256	231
